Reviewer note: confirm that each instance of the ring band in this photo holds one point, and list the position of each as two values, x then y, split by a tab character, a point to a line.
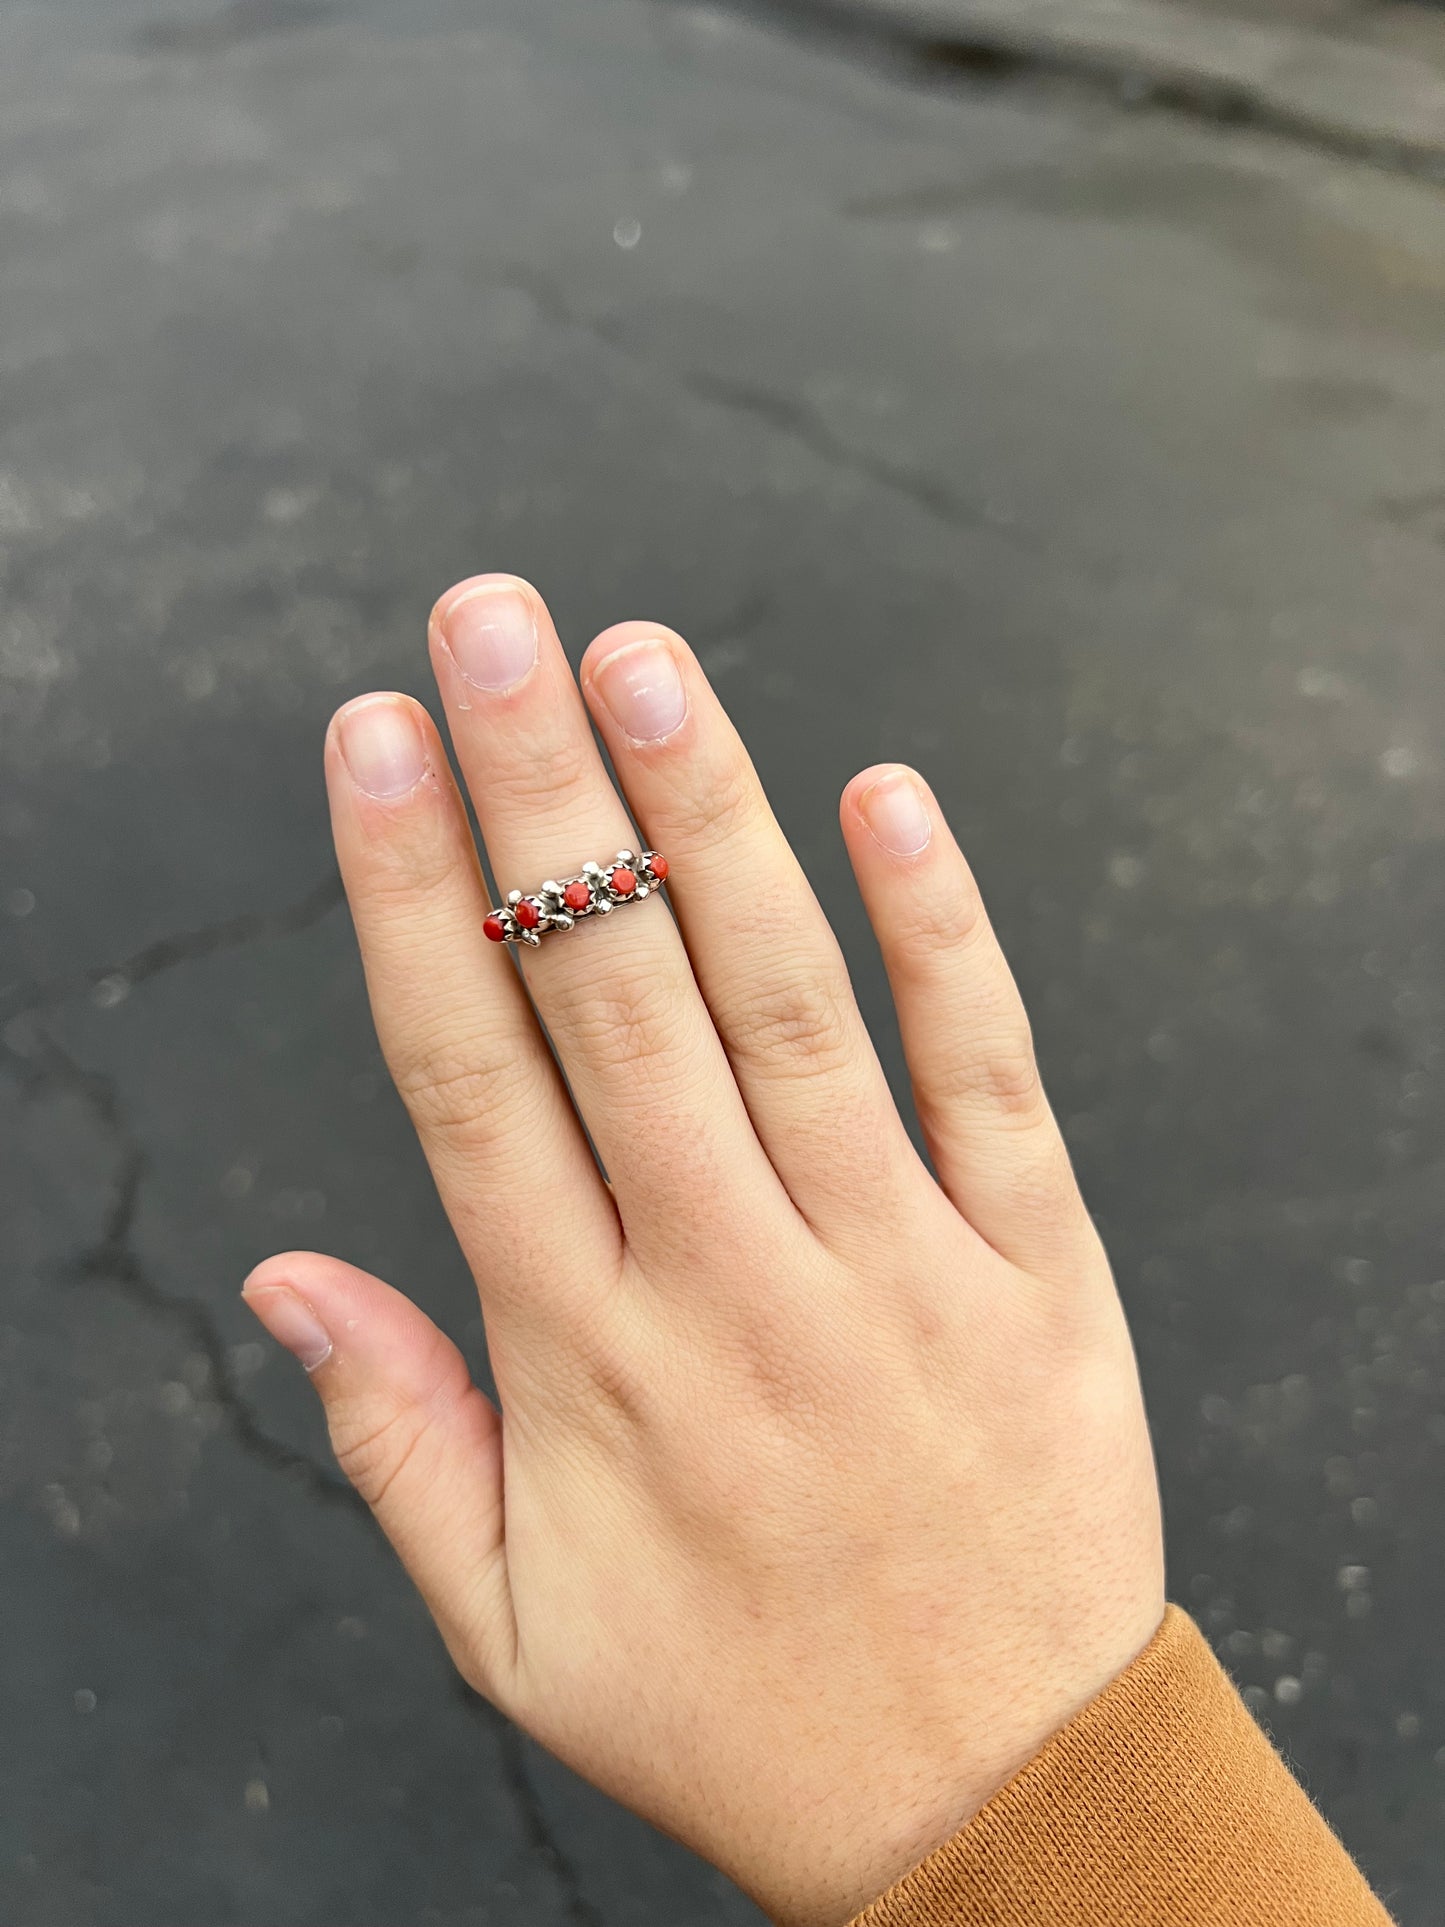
593	892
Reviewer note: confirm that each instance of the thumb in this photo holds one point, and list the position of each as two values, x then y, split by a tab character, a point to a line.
420	1443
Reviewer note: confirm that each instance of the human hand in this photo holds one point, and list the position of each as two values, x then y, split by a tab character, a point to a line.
821	1492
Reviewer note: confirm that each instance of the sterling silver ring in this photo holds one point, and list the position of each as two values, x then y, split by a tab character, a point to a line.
595	891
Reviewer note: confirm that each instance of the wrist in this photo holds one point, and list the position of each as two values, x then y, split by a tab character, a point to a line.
899	1806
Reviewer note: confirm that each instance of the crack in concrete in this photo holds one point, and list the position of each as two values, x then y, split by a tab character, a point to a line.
231	933
786	415
534	1825
532	1817
40	1063
804	424
189	946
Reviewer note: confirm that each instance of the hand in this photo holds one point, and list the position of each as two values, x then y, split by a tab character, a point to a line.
821	1492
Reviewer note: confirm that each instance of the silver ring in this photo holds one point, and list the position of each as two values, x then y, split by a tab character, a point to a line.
596	891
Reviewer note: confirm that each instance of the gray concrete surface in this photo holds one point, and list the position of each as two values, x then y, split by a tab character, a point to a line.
1091	458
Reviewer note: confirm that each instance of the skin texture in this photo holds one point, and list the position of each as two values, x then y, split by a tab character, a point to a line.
821	1492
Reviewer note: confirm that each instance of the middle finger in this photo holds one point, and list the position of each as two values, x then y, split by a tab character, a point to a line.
618	995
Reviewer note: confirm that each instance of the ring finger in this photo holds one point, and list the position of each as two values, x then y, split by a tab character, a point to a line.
765	956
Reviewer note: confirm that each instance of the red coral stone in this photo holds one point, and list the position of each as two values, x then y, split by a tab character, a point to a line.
576	896
657	863
527	914
623	881
495	929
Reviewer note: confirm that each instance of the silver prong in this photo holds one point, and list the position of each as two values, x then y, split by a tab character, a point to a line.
529	936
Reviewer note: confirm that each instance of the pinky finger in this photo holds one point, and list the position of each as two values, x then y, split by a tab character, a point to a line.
992	1137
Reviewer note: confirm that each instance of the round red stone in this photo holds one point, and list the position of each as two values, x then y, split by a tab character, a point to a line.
623	881
657	863
576	896
527	914
495	929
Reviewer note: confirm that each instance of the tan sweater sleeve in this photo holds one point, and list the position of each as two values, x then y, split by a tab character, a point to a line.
1161	1805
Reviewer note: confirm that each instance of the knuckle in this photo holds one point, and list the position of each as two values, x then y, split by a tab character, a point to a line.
599	1383
409	867
999	1074
623	1024
1041	1190
797	1025
618	1387
1085	1320
453	1086
549	774
948	920
1007	1076
726	805
1089	1393
375	1449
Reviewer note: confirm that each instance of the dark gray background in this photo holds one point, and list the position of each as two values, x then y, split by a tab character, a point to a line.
1090	457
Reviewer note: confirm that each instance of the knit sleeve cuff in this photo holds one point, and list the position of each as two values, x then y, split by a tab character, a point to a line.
1161	1805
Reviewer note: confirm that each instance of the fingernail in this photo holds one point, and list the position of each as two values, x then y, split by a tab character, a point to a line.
292	1323
894	810
383	748
642	687
492	636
